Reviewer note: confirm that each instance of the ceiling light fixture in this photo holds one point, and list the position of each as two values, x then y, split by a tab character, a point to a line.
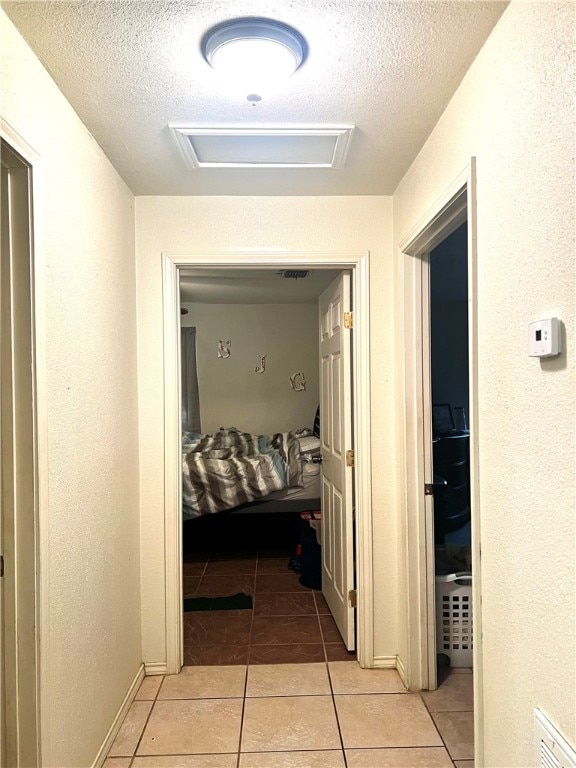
254	55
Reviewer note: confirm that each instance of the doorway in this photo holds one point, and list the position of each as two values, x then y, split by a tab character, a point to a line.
252	549
449	395
449	388
358	264
424	419
18	477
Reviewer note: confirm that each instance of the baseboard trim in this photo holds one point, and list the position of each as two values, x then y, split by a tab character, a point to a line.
155	668
401	670
385	662
119	719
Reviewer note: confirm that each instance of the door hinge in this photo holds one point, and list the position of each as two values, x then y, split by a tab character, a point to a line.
352	598
350	458
429	489
1	566
348	320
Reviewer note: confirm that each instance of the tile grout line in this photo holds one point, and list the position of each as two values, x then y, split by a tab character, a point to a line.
322	636
336	714
199	577
181	755
319	624
435	726
154	700
242	713
294	695
253	612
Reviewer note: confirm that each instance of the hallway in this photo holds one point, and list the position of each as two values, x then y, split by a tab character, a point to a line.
326	715
441	95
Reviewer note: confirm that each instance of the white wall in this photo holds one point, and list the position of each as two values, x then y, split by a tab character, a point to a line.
85	271
212	225
514	111
232	394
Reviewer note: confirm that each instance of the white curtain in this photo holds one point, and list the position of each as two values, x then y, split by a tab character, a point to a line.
190	393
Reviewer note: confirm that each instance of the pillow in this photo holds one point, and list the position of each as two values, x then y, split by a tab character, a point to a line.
309	444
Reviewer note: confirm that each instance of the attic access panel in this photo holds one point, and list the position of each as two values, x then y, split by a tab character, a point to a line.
242	147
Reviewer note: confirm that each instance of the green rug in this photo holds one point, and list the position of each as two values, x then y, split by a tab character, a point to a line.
231	603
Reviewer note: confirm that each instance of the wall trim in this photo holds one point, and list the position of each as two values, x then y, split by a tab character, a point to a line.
38	327
385	662
401	670
119	718
454	206
155	668
359	264
445	216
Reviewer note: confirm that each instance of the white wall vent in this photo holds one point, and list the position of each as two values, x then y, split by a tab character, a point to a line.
323	146
552	749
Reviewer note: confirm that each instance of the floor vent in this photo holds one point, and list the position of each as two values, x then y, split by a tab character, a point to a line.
552	749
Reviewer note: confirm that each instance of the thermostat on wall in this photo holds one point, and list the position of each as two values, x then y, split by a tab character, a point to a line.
544	338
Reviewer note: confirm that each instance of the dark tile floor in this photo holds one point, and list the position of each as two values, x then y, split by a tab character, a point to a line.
288	623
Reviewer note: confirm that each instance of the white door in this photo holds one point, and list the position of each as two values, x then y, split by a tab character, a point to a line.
336	440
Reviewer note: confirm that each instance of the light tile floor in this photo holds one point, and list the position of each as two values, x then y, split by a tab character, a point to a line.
324	715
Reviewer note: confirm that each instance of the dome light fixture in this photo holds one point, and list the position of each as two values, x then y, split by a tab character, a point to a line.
254	55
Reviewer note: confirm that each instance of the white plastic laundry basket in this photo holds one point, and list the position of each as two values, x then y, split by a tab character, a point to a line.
454	618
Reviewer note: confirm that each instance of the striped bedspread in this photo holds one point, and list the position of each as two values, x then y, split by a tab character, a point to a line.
228	468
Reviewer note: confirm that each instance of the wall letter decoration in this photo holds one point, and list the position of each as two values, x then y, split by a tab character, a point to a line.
298	382
224	349
261	367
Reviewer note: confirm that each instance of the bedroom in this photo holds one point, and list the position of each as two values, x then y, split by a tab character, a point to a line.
250	366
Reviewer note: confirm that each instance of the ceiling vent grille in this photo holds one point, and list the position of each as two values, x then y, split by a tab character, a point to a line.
295	274
244	147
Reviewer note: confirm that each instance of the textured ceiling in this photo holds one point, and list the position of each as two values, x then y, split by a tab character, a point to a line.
130	68
252	286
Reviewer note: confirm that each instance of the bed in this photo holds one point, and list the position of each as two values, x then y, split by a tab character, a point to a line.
239	473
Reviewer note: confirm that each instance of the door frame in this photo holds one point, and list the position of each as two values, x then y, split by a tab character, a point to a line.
358	263
456	205
32	610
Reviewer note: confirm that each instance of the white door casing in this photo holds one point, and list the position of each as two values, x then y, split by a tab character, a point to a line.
19	478
172	263
3	249
335	441
454	206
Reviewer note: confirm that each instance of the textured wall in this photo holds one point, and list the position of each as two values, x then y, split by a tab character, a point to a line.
86	265
514	111
228	224
231	392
